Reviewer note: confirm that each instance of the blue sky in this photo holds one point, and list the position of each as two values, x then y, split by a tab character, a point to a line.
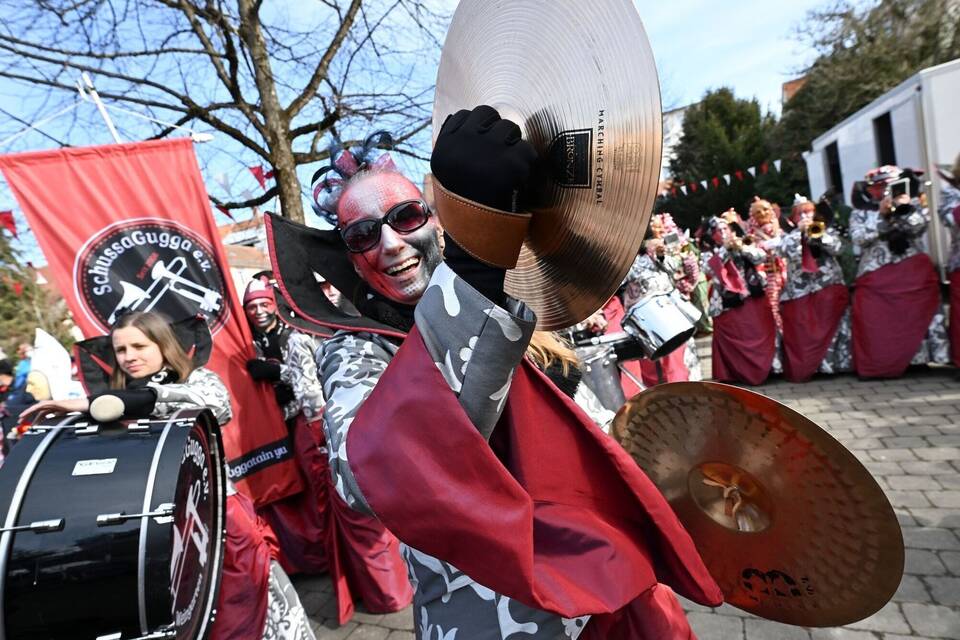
749	45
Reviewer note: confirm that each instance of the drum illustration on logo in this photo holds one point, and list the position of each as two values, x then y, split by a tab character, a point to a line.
148	264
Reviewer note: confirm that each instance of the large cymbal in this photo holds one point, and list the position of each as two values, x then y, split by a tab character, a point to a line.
579	78
813	542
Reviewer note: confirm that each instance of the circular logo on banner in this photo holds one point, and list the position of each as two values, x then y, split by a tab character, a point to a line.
149	265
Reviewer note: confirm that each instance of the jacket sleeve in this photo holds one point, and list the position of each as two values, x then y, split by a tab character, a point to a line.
202	389
300	372
863	228
475	344
350	365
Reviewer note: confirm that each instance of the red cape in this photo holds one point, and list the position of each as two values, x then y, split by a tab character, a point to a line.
892	310
674	368
249	547
809	325
744	342
955	316
552	512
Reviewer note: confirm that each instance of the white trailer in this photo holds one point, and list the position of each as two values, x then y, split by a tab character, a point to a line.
916	124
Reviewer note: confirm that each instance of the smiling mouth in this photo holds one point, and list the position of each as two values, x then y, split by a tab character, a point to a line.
404	267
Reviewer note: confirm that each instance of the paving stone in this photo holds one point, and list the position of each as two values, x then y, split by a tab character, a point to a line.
763	629
885	468
909	498
949	482
906	429
948	499
369	632
401	635
913	483
936	517
952	440
710	626
866	443
944	589
927	468
935	409
906	442
401	620
364	617
912	589
329	630
952	561
313	601
933	620
889	619
929	538
892	455
841	634
923	563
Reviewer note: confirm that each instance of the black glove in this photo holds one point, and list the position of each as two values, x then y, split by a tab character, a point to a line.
264	370
283	394
486	279
482	157
137	402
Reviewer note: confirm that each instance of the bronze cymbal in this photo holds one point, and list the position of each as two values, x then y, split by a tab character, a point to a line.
790	524
579	78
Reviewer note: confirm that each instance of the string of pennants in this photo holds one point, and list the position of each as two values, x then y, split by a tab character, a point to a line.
698	185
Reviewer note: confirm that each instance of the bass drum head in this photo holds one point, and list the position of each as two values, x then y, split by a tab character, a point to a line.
198	532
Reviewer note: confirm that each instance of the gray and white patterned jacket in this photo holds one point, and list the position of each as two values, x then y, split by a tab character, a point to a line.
202	389
801	283
751	253
950	200
299	370
867	227
477	347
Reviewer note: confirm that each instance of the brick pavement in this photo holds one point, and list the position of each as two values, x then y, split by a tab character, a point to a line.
907	433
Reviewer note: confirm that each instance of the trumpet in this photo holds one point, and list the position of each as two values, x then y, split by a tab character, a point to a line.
816	229
748	240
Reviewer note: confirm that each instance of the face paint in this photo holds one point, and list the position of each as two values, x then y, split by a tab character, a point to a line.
261	313
400	265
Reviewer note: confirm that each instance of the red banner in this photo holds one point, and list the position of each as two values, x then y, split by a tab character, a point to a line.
129	226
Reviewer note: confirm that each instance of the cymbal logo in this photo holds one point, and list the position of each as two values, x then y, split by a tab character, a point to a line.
570	158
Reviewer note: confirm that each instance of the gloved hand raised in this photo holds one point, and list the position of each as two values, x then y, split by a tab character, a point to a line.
480	163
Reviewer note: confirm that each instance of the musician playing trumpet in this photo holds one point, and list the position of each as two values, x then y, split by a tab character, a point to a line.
898	318
949	210
814	302
744	330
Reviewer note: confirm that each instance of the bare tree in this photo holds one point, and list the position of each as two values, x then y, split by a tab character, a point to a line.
280	79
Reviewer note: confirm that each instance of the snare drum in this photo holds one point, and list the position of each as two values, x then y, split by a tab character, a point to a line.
112	531
602	375
662	323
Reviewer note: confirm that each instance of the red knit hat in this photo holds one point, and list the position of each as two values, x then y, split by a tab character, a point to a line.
258	288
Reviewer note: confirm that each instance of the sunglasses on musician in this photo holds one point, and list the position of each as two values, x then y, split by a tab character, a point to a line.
405	217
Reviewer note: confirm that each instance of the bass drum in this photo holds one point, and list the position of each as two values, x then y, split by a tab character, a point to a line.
112	530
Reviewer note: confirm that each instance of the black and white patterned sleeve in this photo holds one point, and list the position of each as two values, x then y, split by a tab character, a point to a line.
202	389
300	372
475	344
350	365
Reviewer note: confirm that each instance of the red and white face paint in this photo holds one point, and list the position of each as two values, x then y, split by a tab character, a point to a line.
261	313
400	265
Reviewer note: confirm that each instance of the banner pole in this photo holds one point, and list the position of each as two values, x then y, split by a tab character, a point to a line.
96	100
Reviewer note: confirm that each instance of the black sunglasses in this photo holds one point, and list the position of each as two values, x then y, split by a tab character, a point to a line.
405	217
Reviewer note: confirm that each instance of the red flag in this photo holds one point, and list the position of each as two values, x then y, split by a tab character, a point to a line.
18	288
693	186
261	175
222	209
764	167
8	223
130	226
715	182
739	174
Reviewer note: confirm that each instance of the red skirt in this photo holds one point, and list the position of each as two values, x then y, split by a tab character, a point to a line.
892	310
249	547
300	520
744	342
955	317
809	325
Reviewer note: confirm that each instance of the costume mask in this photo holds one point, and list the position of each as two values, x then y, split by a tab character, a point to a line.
400	265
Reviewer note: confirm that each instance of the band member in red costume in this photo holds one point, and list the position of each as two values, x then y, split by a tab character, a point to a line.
814	302
438	425
763	229
744	330
898	318
950	216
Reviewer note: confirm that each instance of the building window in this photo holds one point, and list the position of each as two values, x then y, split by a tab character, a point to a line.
883	137
834	175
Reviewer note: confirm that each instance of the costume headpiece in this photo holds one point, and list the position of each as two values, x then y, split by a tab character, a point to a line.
328	181
260	287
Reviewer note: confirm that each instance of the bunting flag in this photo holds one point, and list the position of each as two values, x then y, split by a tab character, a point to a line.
752	171
715	182
764	167
222	209
726	178
683	189
261	175
693	187
130	227
739	175
18	288
777	164
703	183
8	223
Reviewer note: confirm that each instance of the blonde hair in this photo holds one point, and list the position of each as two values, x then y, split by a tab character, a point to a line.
546	347
157	329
